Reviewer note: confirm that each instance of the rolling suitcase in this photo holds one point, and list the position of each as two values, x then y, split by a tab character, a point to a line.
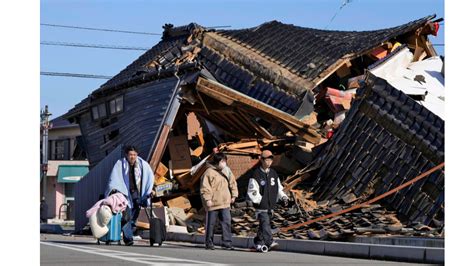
115	229
157	229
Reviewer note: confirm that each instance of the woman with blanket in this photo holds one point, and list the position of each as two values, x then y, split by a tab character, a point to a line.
132	176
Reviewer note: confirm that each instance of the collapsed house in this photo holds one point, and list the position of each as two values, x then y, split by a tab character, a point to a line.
318	99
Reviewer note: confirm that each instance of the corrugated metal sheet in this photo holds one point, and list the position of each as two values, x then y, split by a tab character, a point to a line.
88	190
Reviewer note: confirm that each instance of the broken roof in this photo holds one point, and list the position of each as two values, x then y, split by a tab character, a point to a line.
422	79
386	140
275	63
308	52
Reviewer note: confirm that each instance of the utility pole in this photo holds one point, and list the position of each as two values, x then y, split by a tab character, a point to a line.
44	163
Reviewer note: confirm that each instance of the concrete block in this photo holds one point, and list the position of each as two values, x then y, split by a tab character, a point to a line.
400	241
51	229
346	249
217	240
146	234
305	246
200	239
193	238
397	253
434	255
282	244
183	237
241	242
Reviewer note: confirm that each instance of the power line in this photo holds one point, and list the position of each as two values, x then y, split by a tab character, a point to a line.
99	29
74	75
344	3
115	30
102	46
438	44
216	27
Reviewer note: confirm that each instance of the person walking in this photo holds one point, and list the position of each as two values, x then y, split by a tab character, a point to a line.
133	177
218	192
265	190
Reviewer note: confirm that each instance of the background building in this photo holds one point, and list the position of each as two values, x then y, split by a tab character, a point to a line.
67	164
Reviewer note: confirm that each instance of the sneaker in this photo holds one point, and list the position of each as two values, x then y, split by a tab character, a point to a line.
129	243
135	238
261	248
210	247
228	247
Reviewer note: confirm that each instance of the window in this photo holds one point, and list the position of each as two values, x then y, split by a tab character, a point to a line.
99	111
61	150
95	112
116	105
110	136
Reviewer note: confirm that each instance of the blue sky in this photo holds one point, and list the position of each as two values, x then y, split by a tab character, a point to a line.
61	93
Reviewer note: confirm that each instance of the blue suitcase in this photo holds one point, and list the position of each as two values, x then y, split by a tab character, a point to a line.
115	229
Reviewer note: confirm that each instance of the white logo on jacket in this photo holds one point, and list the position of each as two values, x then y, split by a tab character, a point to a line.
272	181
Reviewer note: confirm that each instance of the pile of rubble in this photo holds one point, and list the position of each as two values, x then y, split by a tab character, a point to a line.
293	157
290	157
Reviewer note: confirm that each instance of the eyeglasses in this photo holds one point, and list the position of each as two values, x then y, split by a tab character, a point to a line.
268	158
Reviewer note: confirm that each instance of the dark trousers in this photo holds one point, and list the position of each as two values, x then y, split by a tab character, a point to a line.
224	217
128	222
264	233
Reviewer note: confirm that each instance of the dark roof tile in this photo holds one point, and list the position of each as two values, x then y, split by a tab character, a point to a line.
296	47
375	143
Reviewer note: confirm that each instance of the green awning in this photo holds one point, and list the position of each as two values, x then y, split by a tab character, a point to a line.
71	173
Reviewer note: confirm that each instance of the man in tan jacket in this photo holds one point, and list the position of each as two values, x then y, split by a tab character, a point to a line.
218	191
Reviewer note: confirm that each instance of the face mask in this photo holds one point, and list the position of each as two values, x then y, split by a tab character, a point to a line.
222	165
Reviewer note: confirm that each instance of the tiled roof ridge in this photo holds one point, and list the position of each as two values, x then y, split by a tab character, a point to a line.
264	78
261	53
275	22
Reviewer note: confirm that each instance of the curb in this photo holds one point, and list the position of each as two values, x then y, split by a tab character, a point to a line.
330	248
51	229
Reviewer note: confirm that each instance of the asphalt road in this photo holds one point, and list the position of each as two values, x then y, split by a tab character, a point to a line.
78	250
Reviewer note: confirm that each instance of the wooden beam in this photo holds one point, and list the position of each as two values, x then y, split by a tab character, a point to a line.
243	145
263	131
333	68
290	184
429	49
160	147
202	102
233	117
215	89
229	126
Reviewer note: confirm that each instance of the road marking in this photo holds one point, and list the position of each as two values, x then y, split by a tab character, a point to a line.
129	256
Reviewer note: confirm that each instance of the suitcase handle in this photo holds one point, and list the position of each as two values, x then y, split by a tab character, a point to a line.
151	208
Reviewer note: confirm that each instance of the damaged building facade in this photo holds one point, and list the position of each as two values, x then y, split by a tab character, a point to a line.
342	129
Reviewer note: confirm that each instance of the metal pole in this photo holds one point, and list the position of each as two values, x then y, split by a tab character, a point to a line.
44	164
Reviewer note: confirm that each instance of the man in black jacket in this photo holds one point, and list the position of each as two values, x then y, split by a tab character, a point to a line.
264	190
